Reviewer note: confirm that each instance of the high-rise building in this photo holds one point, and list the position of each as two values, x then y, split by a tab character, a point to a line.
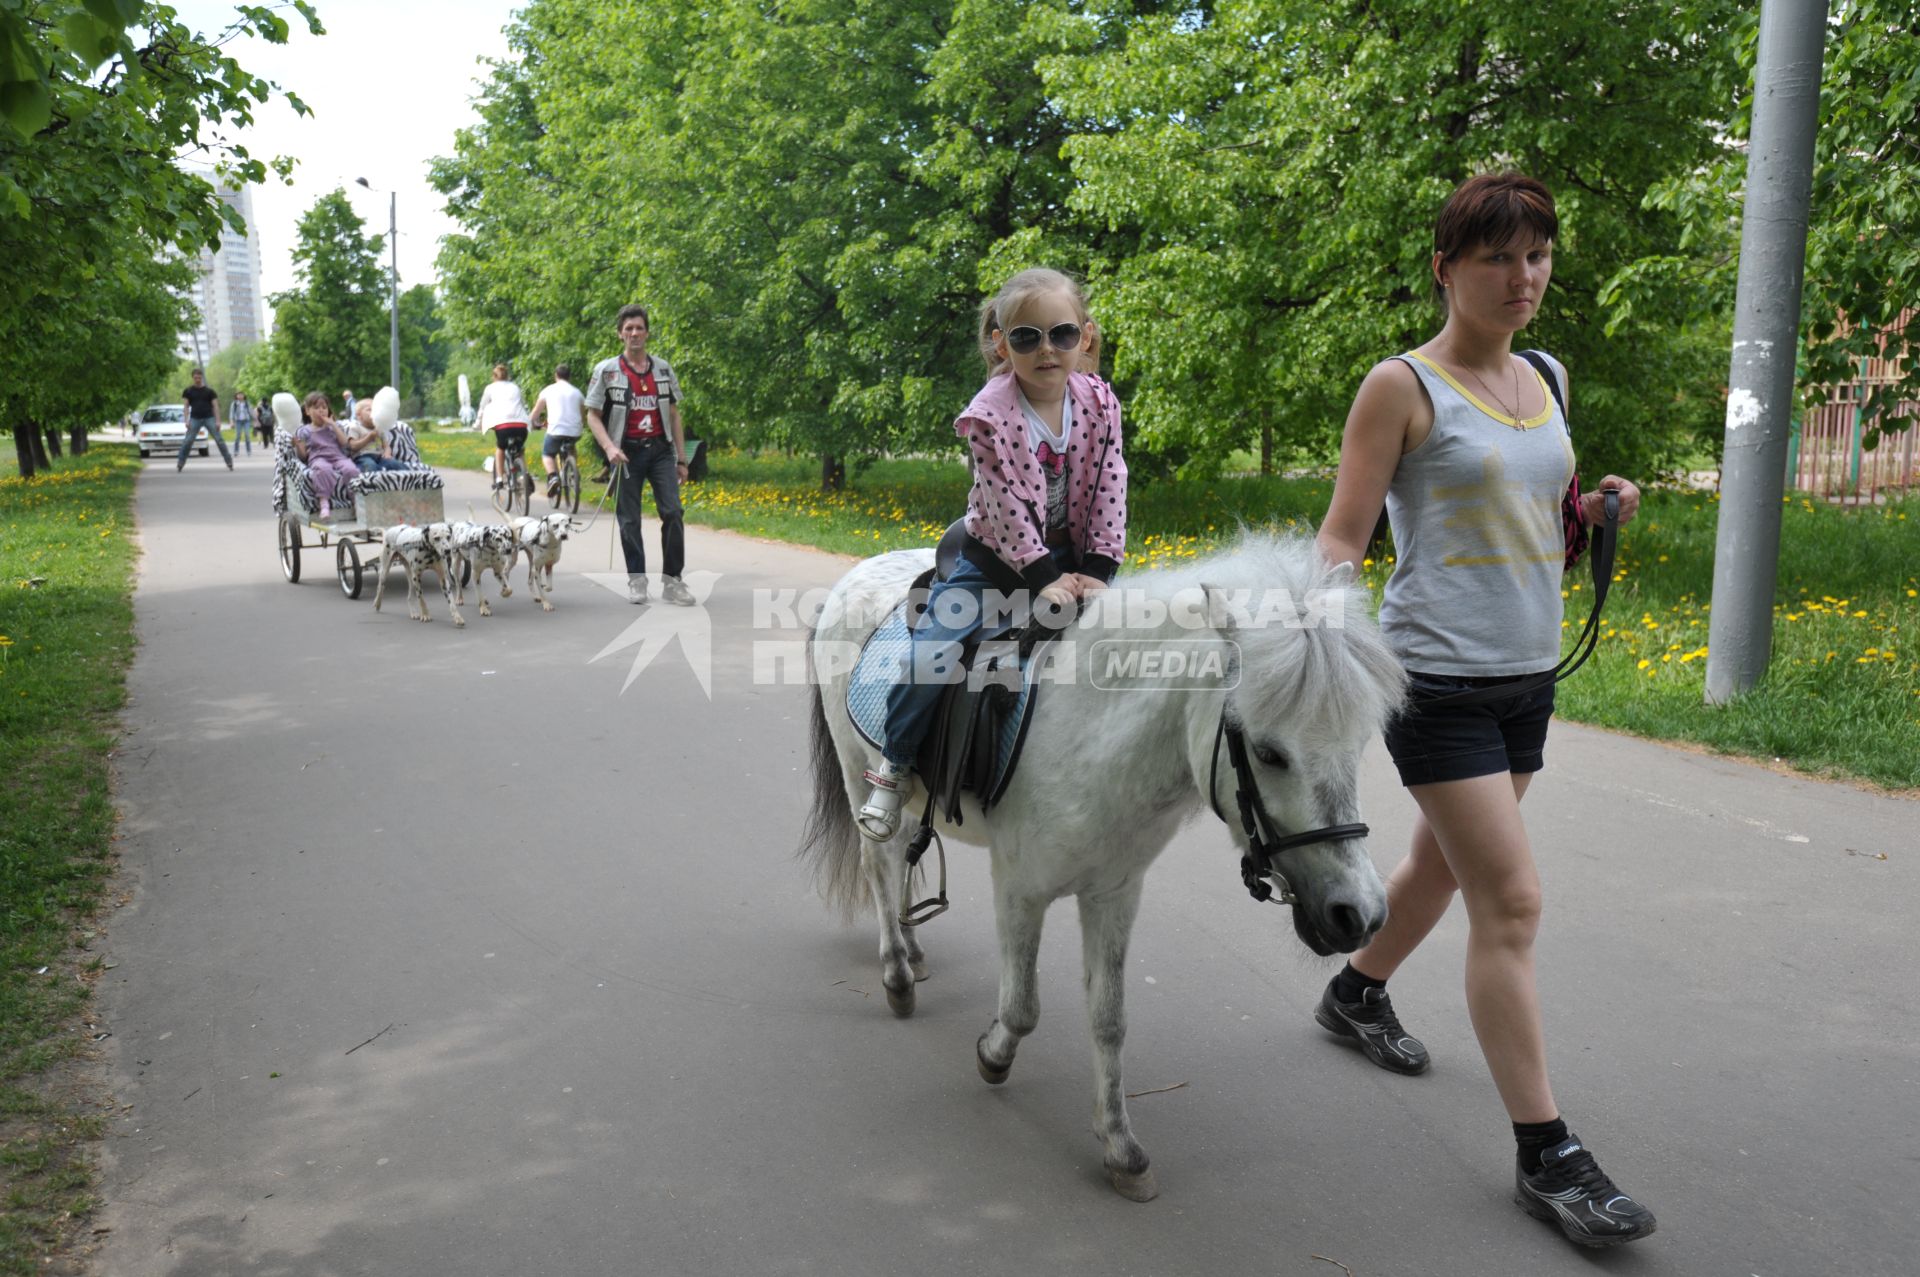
226	289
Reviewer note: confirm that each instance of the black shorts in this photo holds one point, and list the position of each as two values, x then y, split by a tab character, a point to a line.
510	438
1459	742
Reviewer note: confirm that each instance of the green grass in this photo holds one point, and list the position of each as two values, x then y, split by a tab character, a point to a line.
1842	693
1841	697
66	634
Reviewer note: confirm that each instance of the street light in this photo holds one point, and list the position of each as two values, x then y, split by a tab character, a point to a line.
393	275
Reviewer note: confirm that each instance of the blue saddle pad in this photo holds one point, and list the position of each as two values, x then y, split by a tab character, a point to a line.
888	653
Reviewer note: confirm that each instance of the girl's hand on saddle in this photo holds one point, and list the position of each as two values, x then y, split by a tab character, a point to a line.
1593	505
1061	594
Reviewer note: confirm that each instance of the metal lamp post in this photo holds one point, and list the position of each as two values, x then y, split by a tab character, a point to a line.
393	278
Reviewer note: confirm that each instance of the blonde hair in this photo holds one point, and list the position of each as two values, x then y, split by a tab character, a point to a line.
1015	294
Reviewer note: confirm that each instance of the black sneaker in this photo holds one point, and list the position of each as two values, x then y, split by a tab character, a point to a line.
1572	1191
1372	1022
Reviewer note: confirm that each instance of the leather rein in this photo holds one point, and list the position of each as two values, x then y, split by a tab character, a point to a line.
1265	843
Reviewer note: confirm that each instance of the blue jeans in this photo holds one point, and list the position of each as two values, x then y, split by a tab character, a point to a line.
971	601
194	426
242	433
369	463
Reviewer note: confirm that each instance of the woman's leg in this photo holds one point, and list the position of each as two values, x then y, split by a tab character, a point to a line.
1419	893
1477	827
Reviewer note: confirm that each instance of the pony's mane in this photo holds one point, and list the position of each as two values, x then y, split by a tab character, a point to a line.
1337	678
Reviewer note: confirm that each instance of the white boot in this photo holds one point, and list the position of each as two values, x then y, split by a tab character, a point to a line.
880	818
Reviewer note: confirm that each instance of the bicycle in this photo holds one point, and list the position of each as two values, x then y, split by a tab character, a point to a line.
565	491
517	484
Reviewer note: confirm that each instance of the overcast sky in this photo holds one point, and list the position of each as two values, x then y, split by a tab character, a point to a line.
388	85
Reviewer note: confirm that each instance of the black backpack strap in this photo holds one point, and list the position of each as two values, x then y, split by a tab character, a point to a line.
1552	378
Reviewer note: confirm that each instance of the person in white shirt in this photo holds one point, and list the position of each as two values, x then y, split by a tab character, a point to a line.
503	410
560	404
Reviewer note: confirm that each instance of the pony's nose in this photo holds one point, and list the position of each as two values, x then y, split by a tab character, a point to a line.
1349	926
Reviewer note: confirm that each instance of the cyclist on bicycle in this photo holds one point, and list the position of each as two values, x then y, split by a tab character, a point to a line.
560	403
503	410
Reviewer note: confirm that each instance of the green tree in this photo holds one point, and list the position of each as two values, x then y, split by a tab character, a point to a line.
1862	293
813	199
331	327
96	100
424	346
1283	162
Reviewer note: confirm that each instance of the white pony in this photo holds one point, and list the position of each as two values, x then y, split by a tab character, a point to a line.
1110	772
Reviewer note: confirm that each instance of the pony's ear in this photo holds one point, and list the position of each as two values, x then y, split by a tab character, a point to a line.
1219	608
1341	575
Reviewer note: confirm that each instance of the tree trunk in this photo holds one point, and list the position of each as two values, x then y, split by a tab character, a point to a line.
833	473
77	440
1266	447
37	439
23	448
53	441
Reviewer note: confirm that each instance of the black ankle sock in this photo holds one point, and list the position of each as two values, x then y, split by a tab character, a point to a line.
1535	1138
1349	985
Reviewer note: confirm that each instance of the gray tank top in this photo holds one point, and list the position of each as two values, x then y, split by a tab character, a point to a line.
1475	510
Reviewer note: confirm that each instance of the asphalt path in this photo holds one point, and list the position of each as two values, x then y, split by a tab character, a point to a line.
471	952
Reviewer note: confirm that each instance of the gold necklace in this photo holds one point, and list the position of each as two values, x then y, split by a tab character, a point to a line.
1514	412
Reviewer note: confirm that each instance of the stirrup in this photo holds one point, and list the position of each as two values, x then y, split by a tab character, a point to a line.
879	819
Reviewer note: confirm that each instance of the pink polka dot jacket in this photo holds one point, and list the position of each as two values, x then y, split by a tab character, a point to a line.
1006	511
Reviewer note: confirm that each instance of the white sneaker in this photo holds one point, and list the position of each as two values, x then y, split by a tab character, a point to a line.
636	588
676	591
880	818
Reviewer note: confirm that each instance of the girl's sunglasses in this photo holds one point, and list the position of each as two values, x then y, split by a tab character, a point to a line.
1025	339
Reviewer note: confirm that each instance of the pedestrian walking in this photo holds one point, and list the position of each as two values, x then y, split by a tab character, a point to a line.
203	413
633	409
1467	444
240	415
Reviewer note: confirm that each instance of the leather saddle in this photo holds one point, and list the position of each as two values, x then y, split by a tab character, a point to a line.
981	721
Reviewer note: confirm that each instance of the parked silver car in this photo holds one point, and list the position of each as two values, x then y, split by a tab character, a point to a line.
162	427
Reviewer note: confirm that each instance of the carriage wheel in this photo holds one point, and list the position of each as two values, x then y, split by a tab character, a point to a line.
290	548
346	560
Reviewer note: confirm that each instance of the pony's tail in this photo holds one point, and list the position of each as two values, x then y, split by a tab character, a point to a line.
830	844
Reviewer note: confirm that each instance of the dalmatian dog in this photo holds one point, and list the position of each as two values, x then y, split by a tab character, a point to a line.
540	539
483	546
419	549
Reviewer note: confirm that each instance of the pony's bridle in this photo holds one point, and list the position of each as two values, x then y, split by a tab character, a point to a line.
1264	843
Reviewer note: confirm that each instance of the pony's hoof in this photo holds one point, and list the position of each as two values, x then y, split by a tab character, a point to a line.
993	1074
919	970
1135	1188
901	1003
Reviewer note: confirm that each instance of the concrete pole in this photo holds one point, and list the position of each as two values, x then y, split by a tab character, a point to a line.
1766	327
393	294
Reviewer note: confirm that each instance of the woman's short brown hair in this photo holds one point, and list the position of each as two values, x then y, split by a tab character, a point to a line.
1492	209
